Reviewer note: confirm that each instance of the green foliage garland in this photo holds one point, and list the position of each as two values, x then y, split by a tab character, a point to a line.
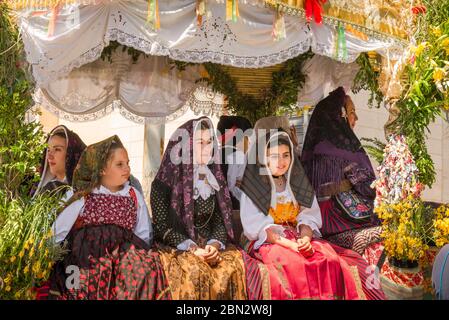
375	148
26	252
367	78
20	140
280	99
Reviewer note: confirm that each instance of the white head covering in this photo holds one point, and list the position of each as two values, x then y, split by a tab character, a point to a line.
46	174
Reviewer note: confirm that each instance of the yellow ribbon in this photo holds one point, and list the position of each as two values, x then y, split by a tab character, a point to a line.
279	26
232	10
153	14
358	34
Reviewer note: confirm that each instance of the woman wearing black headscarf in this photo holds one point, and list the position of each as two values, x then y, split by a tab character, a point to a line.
341	174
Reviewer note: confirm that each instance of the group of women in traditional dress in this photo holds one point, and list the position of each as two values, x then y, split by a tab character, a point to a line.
298	239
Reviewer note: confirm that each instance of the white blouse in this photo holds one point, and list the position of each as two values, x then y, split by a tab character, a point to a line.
255	223
65	221
236	169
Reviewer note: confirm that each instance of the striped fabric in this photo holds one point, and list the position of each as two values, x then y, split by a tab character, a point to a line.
257	278
42	291
357	239
370	278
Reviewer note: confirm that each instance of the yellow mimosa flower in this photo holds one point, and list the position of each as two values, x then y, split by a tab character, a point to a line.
438	74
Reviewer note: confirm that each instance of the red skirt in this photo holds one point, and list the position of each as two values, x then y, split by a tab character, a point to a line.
324	275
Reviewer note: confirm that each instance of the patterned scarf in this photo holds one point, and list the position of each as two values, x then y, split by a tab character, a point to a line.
178	176
87	175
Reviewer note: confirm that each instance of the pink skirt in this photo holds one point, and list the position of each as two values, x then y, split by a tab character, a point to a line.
324	275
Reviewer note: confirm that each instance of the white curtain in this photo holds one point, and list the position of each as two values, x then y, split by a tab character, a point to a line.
150	90
323	75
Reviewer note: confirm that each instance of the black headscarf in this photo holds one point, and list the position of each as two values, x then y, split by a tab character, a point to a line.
330	144
228	139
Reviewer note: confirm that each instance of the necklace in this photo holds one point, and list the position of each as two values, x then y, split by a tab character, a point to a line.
210	217
279	181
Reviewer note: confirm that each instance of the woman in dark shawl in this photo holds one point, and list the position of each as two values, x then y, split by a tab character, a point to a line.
341	174
191	208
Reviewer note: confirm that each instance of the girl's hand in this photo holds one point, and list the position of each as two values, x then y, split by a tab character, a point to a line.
304	244
212	255
292	245
199	252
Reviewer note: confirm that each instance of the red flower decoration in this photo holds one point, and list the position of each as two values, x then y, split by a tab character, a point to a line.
419	9
362	207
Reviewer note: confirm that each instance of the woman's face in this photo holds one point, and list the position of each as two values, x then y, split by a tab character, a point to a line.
350	112
56	156
203	146
279	159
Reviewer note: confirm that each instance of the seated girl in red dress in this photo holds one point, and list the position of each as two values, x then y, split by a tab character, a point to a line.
281	217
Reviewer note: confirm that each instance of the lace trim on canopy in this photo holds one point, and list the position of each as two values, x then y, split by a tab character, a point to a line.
156	48
210	106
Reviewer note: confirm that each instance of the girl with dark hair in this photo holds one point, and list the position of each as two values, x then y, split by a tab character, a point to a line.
191	207
281	219
59	159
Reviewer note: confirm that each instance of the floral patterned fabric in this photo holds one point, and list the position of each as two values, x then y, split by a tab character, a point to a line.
190	278
113	263
93	160
178	177
102	209
353	205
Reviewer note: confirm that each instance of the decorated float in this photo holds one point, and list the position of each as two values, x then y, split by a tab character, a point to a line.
154	60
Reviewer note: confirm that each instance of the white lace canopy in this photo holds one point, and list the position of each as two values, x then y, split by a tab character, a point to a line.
75	83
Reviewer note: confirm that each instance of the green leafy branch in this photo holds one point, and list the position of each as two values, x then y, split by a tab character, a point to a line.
367	78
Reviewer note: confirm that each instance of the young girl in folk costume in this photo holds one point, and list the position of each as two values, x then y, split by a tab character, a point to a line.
59	159
341	174
281	218
108	230
191	208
